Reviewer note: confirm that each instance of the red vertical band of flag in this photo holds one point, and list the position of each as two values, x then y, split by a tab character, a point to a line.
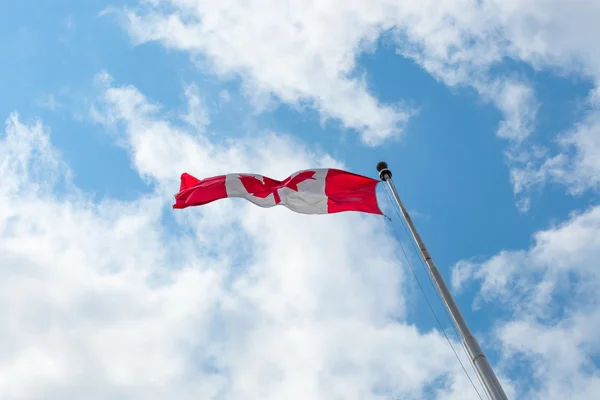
346	191
196	192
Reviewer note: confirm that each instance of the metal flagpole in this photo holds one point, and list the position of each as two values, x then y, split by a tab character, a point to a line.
483	367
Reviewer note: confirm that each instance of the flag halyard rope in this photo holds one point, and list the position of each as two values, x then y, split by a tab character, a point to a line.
424	268
428	302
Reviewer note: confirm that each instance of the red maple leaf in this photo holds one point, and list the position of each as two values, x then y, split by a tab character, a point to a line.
262	189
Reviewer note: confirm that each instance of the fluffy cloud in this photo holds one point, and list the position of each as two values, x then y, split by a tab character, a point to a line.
130	299
551	292
576	165
468	39
303	51
300	52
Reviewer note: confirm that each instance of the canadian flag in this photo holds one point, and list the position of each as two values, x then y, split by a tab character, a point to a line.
314	191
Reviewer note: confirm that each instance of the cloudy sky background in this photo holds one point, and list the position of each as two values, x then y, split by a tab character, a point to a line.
488	113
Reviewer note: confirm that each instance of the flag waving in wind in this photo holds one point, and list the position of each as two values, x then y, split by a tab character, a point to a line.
314	191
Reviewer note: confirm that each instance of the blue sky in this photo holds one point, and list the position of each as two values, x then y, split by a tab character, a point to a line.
492	136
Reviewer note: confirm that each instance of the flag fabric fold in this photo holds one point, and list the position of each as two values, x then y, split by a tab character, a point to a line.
315	191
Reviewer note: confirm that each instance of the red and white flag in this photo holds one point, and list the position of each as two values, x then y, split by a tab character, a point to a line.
315	191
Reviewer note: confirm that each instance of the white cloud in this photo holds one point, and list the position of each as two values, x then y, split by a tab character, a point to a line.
197	116
576	163
115	300
546	34
583	170
519	106
303	53
551	292
306	52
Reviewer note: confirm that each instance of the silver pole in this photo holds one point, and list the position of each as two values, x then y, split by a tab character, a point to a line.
483	367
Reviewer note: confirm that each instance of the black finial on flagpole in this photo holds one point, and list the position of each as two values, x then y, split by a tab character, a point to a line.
384	172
